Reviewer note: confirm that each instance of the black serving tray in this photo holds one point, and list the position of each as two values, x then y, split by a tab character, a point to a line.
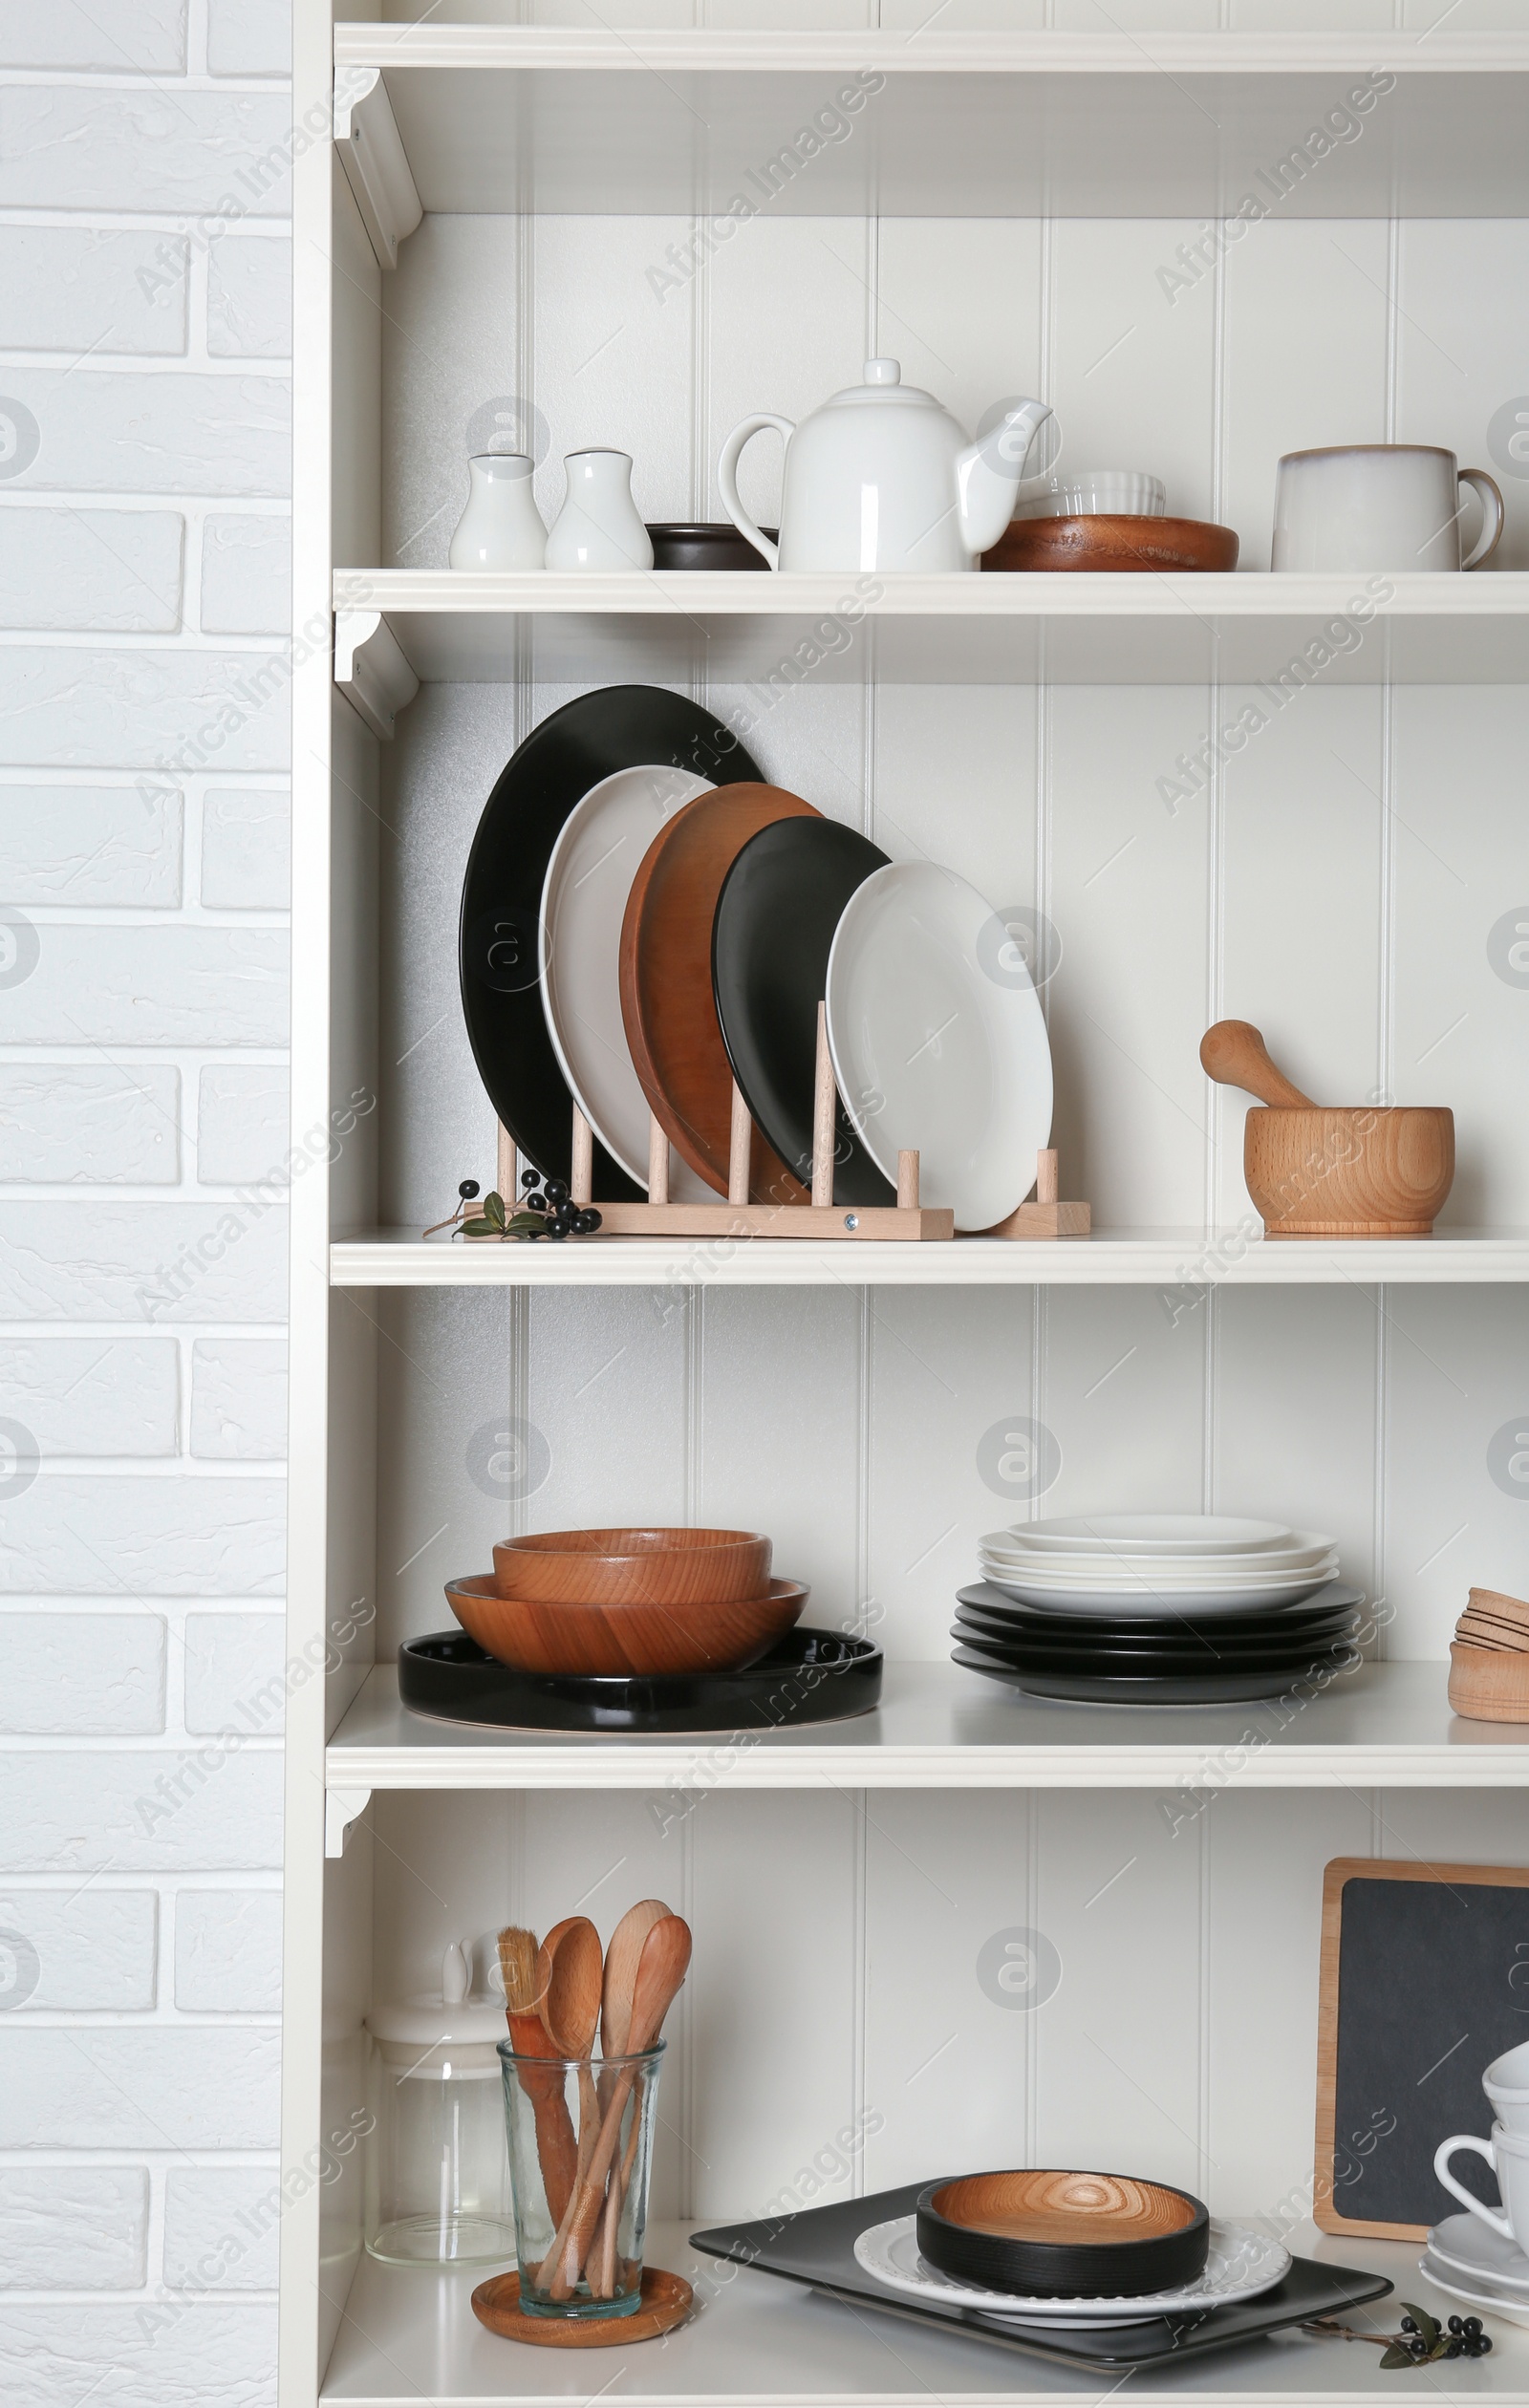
811	1676
817	2248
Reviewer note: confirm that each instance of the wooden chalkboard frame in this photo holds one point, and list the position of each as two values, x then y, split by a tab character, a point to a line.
1338	1874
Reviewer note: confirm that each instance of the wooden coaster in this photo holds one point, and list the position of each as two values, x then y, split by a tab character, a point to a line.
665	2303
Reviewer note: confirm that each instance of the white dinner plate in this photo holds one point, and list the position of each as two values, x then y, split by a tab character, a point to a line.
1472	2248
1474	2290
1150	1571
584	897
1149	1534
938	1040
1239	2265
1177	1601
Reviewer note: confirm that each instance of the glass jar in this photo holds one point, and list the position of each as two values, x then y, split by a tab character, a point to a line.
437	2170
579	2238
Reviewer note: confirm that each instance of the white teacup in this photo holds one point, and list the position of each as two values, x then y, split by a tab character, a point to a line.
1506	2083
1507	2154
1391	507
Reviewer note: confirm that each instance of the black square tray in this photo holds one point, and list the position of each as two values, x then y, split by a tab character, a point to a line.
817	2248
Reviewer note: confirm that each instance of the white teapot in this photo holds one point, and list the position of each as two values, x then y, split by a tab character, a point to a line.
881	476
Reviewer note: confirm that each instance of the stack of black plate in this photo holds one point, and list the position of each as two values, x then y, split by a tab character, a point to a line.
1148	1655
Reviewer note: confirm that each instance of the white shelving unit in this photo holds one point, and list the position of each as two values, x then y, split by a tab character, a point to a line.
487	215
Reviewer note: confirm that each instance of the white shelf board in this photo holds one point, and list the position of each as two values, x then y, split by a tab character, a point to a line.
408	2337
498	120
941	1727
1112	1258
470	627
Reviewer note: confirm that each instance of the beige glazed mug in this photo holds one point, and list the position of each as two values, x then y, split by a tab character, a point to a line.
1392	506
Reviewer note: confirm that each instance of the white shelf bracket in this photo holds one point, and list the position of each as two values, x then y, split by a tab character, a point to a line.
341	1808
375	163
371	669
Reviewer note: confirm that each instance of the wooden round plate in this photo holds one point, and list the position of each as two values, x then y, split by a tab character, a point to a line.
666	2300
1118	544
667	1002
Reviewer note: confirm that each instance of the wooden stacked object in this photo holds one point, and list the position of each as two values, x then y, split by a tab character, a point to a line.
1489	1659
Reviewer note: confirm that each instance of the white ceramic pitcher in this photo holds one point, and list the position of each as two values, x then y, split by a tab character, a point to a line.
501	527
598	527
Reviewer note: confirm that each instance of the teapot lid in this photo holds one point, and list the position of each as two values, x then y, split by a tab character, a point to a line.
881	381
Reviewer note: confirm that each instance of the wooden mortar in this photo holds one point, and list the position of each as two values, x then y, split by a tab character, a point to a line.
1330	1170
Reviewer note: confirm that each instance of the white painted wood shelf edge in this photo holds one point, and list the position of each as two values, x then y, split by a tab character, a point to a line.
762	2343
1388	1726
1173	1257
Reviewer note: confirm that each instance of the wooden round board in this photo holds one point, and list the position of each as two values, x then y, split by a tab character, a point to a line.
1144	545
667	1003
665	2303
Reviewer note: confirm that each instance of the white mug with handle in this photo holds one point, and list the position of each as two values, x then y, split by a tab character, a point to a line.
1389	507
1507	2153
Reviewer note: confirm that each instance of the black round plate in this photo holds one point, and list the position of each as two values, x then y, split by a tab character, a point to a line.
779	904
1216	1688
1271	1622
811	1676
620	727
1154	1663
1168	1648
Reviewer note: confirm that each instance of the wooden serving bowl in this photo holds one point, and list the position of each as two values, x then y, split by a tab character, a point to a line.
1335	1172
1050	2234
1489	1684
700	1636
634	1567
1122	546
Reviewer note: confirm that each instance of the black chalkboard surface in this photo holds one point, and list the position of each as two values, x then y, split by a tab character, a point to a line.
1425	1979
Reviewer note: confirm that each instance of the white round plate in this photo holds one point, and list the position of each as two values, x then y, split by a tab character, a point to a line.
938	1040
1472	2248
1474	2291
584	897
1148	1534
1170	1600
1239	2265
1156	1571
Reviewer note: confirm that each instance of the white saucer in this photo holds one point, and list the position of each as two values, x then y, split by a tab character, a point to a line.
1241	2264
1472	2248
1474	2290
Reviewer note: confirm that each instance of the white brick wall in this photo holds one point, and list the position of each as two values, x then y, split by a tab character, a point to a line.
144	475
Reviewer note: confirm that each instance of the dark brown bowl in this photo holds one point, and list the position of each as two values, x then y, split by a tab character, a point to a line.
696	1637
1121	546
634	1567
1059	2234
705	546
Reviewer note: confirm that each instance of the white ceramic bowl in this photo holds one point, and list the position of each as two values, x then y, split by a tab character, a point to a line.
1096	493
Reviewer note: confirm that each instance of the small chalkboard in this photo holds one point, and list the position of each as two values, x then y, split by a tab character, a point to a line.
1425	1979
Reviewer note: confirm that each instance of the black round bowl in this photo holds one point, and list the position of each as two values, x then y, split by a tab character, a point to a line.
1049	2233
708	545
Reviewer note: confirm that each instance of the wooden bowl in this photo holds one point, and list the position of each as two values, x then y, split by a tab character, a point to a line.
1050	2234
1122	546
1348	1173
634	1567
1489	1684
696	1637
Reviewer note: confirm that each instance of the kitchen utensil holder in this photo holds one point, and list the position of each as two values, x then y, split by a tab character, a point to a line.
822	1219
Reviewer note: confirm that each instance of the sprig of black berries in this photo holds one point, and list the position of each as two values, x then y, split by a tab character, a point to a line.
1420	2339
546	1210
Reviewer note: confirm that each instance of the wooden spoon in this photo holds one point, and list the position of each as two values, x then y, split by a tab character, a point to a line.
661	1968
556	2149
569	1971
1234	1054
621	1961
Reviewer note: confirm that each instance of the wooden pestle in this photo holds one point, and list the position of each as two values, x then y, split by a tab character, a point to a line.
1234	1054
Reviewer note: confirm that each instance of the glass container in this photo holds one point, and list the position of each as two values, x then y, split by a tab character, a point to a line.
437	2174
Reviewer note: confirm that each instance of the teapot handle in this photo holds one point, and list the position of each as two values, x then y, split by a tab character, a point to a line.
727	480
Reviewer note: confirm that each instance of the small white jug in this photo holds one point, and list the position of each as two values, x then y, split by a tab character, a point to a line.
501	527
598	528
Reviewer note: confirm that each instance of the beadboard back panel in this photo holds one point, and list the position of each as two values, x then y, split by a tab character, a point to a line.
892	1983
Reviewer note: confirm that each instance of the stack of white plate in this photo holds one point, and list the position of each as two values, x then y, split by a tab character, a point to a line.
1185	1563
1468	2261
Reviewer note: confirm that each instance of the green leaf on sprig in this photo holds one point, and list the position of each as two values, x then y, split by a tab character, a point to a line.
1427	2326
1395	2356
478	1226
494	1208
527	1224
